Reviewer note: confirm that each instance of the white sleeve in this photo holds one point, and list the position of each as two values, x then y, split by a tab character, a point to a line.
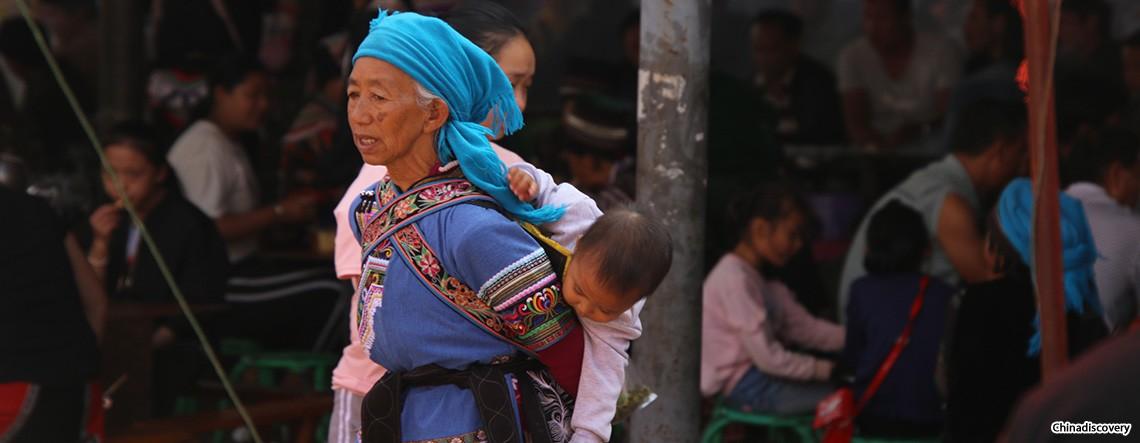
604	360
199	172
581	211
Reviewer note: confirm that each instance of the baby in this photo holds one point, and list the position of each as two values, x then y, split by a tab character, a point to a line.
619	258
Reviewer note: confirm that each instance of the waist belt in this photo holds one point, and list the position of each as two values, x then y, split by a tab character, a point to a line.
383	404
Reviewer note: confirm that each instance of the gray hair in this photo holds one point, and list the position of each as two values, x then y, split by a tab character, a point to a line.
423	96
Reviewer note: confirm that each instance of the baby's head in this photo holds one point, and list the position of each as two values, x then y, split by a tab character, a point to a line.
618	261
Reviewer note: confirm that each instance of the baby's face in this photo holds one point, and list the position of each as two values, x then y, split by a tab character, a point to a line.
585	292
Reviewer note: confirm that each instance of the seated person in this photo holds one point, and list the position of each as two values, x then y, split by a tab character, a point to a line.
51	317
895	81
597	145
273	297
993	353
186	238
749	322
213	168
907	404
800	90
987	150
1105	168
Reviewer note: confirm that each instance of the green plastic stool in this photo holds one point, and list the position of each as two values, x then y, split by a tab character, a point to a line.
296	362
723	416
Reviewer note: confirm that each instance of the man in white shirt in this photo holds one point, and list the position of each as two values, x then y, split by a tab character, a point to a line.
1105	170
895	81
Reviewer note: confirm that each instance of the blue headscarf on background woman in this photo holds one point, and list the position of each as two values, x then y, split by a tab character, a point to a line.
1015	215
472	84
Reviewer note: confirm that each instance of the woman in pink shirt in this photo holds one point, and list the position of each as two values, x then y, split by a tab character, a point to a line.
749	321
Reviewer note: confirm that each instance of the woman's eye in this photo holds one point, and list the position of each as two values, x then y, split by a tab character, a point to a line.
377	97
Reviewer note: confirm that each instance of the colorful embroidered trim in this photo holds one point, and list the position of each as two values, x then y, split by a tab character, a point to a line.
533	323
398	210
371	291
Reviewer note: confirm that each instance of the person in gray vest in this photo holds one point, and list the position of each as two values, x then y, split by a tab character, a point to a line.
987	151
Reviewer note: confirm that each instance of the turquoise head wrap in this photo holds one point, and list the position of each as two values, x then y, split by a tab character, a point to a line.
472	85
1015	213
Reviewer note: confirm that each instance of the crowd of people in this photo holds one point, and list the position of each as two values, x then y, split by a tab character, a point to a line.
451	249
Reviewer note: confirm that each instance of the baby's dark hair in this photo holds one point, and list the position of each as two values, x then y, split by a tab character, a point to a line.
634	251
896	240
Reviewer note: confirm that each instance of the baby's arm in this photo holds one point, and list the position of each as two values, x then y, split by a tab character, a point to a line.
603	373
581	211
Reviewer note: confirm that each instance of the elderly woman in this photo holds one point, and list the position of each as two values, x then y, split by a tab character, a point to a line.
457	301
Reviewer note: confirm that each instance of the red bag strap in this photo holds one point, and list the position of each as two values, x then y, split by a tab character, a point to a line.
900	343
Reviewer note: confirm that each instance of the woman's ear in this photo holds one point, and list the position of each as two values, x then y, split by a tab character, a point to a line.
162	175
437	115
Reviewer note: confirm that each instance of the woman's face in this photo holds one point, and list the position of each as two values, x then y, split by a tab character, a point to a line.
778	241
516	59
243	107
141	179
383	111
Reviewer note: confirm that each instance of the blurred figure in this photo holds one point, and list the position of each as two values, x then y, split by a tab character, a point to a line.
994	39
51	317
35	118
799	89
186	238
907	403
214	169
750	323
1130	71
596	144
1105	167
311	135
993	355
993	35
987	151
1100	387
74	29
1084	40
895	81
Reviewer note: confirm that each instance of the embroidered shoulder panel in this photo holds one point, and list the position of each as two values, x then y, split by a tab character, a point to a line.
395	211
537	318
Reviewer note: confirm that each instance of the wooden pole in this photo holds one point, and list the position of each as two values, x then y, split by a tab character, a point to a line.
1041	23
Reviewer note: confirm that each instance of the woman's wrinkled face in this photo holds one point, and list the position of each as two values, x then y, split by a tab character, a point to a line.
516	59
140	178
243	107
384	113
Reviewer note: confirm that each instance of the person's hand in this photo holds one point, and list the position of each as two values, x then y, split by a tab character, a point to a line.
104	220
163	337
823	369
297	208
522	184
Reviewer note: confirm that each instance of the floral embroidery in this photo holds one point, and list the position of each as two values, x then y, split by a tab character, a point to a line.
538	320
395	210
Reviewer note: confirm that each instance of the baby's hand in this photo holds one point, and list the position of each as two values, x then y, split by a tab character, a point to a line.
522	184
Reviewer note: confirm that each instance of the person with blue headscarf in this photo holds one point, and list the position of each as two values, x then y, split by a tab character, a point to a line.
457	301
993	355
